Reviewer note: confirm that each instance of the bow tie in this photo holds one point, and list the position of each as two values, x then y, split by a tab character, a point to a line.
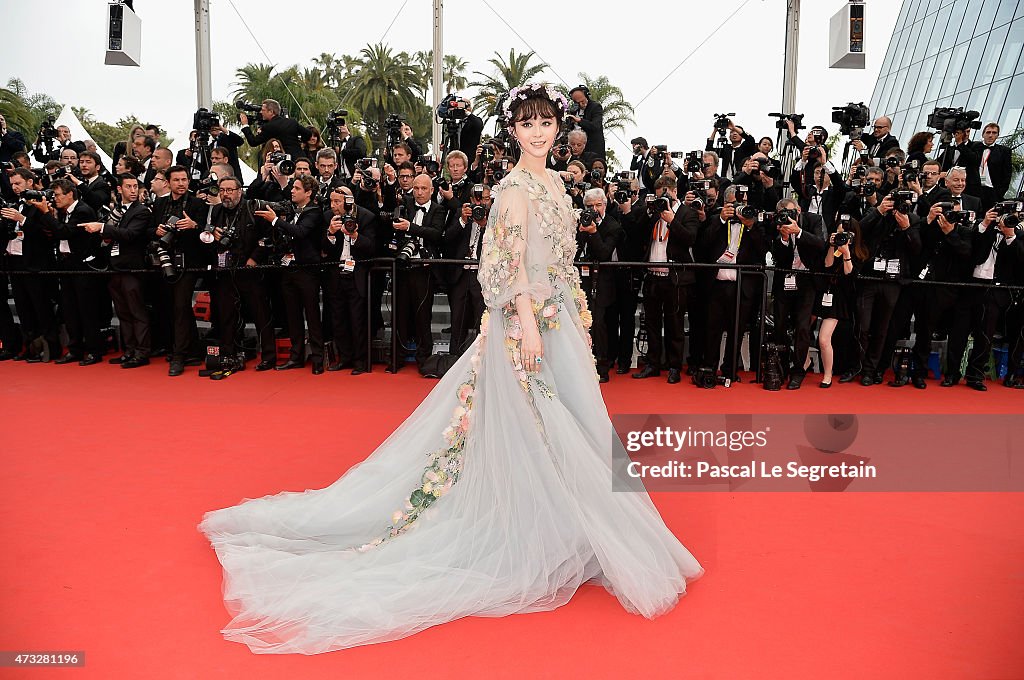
422	208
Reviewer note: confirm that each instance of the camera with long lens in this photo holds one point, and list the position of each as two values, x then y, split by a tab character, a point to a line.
282	162
851	119
479	213
47	129
797	118
336	119
256	119
949	120
865	187
841	238
763	165
208	185
35	195
596	175
1008	207
722	121
158	255
62	172
904	201
746	211
587	217
499	169
955	216
204	120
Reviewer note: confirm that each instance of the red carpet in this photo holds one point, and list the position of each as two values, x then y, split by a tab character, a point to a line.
108	473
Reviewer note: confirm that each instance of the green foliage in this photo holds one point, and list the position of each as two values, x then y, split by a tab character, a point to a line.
617	111
513	72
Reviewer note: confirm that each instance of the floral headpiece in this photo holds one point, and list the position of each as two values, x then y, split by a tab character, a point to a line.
518	94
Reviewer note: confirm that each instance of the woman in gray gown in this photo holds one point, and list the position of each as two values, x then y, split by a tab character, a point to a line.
495	496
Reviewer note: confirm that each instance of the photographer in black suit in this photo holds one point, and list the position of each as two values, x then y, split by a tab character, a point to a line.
286	130
175	296
598	239
741	146
589	115
799	245
994	170
463	240
417	236
880	142
80	295
11	141
126	230
302	234
348	243
961	153
235	240
30	228
93	190
670	234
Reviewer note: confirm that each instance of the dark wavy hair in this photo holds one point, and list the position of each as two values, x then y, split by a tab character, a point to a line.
918	142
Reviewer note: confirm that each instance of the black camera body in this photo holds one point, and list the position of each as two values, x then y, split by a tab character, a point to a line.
722	121
282	162
783	217
904	201
694	162
429	164
949	120
797	118
623	191
841	238
499	169
656	204
588	216
746	211
1008	207
480	213
203	120
256	118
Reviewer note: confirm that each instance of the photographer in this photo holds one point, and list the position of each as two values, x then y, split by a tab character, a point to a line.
416	237
28	234
946	253
644	163
755	175
463	240
349	150
598	239
178	329
589	115
573	176
287	130
880	141
80	295
893	240
92	189
628	209
51	141
962	154
126	231
301	235
844	255
996	254
348	242
824	195
327	167
798	245
161	161
573	150
928	189
11	141
235	240
733	238
672	231
741	146
274	179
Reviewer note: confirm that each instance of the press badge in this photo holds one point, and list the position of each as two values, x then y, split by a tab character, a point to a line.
727	257
826	300
584	270
790	282
115	250
880	265
349	265
222	259
893	268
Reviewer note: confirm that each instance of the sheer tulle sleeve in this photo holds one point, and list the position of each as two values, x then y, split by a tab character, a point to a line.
503	271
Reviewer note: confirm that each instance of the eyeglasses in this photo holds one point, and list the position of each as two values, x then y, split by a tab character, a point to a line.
225	190
880	127
929	174
406	176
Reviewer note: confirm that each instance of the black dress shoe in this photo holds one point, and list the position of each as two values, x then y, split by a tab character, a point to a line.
977	385
89	360
622	370
318	368
849	376
7	355
867	380
919	383
119	360
825	385
34	359
1011	381
648	372
68	358
21	357
266	365
673	376
338	366
135	362
878	378
794	381
158	352
291	363
177	368
949	380
603	377
899	382
358	370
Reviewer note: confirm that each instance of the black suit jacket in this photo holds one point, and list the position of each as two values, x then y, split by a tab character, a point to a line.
306	229
733	157
877	148
751	251
999	168
351	150
287	130
592	122
884	239
130	236
431	231
682	236
10	144
969	160
811	246
187	240
599	247
469	138
925	201
37	246
96	194
81	243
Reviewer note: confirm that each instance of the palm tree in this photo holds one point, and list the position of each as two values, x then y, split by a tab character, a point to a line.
453	71
383	83
16	111
507	74
255	82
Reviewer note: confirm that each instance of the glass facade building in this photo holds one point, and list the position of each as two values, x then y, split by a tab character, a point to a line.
953	53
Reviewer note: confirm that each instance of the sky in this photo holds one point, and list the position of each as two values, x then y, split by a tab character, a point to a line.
636	44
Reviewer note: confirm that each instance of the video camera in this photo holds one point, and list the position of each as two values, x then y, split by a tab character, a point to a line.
851	119
948	120
453	107
47	130
722	121
203	120
797	118
255	109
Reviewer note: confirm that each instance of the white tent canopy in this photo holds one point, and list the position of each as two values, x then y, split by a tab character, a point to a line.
179	141
78	133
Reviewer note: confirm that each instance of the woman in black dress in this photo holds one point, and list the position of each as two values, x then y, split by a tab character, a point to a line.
835	303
